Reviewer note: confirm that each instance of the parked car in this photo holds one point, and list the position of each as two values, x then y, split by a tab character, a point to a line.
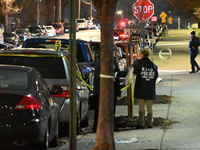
28	111
11	37
82	24
58	26
90	24
66	27
54	67
6	46
45	31
23	34
51	31
36	31
85	54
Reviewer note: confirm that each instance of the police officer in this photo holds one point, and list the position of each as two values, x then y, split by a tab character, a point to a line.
193	46
145	84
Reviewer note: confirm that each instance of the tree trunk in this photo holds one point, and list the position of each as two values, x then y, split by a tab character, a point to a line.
105	129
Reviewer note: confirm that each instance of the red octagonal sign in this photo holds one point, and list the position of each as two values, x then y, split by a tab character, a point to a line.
143	10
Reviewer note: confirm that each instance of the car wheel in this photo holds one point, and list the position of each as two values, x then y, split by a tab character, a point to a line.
85	122
54	141
78	128
44	145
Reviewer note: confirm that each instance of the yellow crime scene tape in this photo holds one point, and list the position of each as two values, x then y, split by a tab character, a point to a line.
130	84
88	85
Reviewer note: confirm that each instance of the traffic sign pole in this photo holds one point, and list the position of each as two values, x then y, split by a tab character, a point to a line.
143	10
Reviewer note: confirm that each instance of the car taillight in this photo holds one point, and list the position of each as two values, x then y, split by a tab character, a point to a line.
65	93
28	102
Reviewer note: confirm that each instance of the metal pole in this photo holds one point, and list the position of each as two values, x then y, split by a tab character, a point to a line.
73	114
58	11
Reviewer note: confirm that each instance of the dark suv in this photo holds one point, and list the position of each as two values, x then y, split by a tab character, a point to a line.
53	66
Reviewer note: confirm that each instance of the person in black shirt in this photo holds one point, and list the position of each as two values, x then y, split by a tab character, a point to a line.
193	46
145	86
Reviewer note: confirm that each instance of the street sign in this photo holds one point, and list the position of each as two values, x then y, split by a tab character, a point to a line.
170	20
163	16
143	10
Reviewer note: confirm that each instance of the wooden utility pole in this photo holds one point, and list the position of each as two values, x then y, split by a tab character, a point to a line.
129	54
38	11
58	11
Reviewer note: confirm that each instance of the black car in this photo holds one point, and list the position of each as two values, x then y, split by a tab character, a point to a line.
36	31
28	113
66	27
23	34
11	37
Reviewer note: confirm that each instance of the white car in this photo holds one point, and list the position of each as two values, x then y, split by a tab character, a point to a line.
82	24
51	31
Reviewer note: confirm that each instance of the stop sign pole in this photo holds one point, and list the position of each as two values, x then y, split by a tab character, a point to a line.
143	10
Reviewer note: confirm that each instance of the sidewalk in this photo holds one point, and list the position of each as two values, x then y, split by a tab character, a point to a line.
184	109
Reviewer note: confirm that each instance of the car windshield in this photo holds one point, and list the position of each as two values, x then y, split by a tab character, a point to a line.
34	29
46	44
51	45
49	28
20	31
47	66
8	34
13	79
56	25
80	21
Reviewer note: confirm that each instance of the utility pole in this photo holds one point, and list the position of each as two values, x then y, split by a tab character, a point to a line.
58	11
79	9
38	11
73	114
90	9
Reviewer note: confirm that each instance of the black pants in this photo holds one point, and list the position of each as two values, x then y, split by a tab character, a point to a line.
193	62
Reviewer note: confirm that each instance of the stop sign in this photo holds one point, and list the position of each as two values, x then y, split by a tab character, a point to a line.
143	10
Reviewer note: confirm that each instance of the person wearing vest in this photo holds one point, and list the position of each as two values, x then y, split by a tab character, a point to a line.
146	73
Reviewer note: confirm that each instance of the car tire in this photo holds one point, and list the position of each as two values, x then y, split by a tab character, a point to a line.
85	122
63	130
54	141
78	126
44	145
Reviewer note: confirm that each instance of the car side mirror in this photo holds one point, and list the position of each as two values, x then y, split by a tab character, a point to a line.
55	90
